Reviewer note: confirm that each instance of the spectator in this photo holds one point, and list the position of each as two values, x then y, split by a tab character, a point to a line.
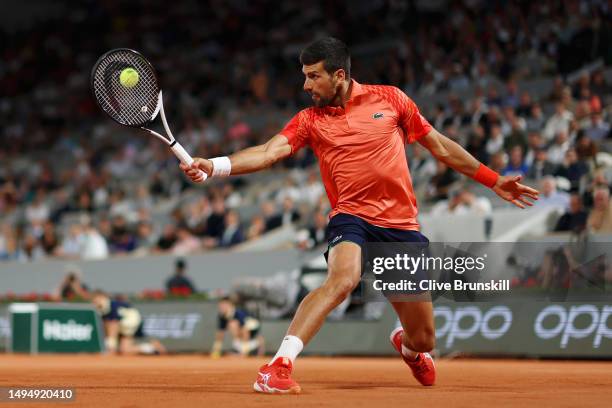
550	197
49	240
312	191
575	218
92	243
167	239
185	243
558	123
462	202
216	220
441	183
586	148
122	239
541	166
288	190
598	129
496	140
571	168
232	234
600	218
288	216
179	283
516	166
257	227
556	152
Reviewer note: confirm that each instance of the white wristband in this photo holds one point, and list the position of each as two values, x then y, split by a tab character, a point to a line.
221	166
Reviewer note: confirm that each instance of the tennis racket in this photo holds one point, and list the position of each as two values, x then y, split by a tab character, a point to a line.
137	105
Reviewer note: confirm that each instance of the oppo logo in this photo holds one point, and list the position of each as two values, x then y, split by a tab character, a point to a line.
465	322
577	323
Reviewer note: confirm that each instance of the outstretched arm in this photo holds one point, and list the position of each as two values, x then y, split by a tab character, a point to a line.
457	158
245	161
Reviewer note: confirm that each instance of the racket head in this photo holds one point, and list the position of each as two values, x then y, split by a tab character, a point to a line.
134	106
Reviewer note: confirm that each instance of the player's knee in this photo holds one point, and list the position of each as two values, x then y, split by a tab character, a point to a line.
340	288
423	340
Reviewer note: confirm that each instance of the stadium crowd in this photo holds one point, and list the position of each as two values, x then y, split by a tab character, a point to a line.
74	185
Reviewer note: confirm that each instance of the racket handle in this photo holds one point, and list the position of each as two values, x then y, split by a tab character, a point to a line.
185	157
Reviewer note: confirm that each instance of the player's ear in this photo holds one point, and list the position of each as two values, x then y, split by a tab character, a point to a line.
340	75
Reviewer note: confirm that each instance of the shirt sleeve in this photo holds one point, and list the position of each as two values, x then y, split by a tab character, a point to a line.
297	131
415	126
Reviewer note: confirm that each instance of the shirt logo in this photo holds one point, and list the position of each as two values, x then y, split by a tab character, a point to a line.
378	115
336	239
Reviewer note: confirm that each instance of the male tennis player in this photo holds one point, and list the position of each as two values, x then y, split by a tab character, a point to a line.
358	133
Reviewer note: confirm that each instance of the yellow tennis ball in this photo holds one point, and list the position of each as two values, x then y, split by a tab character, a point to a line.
129	77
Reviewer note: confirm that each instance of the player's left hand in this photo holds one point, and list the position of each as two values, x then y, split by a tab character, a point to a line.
509	188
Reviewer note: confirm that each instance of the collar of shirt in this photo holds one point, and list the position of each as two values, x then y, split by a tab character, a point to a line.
356	90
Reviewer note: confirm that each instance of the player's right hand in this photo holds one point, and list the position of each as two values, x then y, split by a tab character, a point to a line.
193	171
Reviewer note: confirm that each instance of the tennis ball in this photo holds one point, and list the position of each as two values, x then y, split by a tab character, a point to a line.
129	77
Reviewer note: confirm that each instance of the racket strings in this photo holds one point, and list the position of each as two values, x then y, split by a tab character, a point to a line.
129	106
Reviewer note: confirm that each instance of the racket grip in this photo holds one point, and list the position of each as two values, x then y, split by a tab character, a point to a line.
185	157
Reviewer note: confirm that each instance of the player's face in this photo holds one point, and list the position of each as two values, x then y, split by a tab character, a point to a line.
323	87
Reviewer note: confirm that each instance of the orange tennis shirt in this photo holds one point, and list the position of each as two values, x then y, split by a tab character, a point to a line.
361	152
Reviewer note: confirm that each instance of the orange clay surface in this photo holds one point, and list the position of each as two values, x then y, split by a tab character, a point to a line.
198	381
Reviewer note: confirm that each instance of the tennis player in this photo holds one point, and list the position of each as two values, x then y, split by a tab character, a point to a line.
359	133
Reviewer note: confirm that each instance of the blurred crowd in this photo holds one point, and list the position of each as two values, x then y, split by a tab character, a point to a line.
75	185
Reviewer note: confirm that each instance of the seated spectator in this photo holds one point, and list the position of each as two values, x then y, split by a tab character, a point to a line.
496	140
556	152
571	168
575	218
559	122
541	166
586	148
179	284
441	183
93	244
516	165
598	129
288	190
462	202
232	234
8	243
600	218
550	197
167	239
288	216
122	239
257	227
49	239
216	220
534	143
185	243
312	191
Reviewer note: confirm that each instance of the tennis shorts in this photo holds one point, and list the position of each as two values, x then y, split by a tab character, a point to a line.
377	242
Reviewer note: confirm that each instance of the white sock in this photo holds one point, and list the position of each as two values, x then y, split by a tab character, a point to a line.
290	348
409	354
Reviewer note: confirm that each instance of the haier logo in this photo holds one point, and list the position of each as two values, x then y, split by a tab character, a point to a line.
578	322
71	331
465	322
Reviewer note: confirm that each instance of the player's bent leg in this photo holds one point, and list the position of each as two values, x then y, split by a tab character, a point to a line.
415	338
344	272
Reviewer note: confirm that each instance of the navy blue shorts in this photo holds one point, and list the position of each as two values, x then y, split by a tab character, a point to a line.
378	242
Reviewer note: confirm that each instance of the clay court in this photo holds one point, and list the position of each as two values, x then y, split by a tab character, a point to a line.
348	382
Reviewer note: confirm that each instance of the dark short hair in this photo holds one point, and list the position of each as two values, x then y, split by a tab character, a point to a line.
333	52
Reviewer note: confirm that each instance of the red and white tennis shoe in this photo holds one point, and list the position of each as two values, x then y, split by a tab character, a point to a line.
423	368
276	378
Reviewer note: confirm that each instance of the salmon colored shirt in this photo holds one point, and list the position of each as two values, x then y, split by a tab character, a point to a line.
361	151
